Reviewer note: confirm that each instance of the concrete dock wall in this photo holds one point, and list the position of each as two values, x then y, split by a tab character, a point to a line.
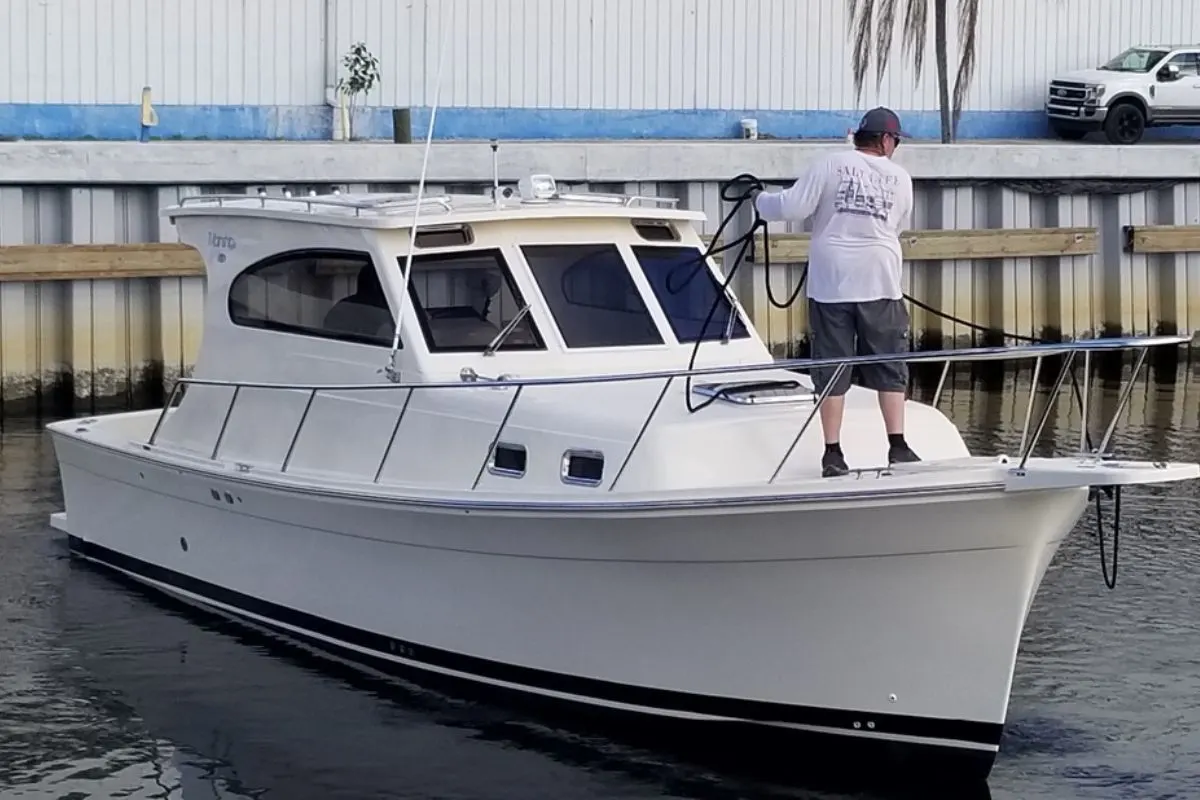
99	304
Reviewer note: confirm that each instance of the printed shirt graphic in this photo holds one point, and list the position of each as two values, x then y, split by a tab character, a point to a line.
868	194
859	204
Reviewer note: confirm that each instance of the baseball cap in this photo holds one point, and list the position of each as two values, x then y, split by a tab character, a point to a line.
882	120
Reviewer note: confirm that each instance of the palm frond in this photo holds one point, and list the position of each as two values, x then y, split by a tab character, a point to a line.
885	29
916	32
968	35
862	24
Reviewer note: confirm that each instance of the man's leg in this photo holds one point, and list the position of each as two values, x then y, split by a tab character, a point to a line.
883	328
831	331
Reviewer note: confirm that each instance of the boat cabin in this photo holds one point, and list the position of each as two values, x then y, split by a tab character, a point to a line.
526	283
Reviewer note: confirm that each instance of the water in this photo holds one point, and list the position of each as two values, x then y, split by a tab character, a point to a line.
105	693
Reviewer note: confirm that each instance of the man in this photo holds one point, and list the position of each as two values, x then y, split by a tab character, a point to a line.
860	201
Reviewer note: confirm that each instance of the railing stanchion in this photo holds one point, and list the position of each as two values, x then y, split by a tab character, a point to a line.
387	451
312	395
225	422
638	439
1037	433
163	416
495	439
1033	383
1083	401
937	393
1125	395
837	373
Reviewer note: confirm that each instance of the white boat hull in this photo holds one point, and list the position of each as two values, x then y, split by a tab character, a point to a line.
896	619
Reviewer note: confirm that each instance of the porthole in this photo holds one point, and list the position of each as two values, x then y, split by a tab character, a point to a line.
507	460
583	467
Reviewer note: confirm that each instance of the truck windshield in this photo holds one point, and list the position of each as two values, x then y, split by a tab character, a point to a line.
1135	59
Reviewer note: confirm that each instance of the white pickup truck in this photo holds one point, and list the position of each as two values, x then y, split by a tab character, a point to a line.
1145	86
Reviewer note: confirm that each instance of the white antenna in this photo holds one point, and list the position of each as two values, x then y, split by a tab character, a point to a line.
390	369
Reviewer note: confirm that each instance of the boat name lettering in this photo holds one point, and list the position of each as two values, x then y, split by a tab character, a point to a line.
222	242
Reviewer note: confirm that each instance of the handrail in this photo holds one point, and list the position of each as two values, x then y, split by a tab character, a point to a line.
358	204
1028	443
969	354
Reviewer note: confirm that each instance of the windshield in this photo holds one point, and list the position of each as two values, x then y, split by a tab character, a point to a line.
466	299
1135	59
687	291
591	295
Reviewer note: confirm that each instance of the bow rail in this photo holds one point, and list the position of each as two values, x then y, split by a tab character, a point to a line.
469	379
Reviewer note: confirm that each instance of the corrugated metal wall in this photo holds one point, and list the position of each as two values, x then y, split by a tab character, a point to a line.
620	54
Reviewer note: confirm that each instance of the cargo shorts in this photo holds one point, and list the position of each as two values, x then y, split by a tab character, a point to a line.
874	327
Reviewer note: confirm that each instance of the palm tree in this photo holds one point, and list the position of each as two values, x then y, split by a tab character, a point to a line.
873	24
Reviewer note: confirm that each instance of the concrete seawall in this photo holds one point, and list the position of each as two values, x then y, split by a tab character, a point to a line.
99	305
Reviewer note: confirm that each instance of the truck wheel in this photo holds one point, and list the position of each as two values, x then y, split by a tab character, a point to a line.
1069	134
1125	124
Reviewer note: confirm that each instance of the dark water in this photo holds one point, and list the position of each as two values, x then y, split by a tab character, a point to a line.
105	694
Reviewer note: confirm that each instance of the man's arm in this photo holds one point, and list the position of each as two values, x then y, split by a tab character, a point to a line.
797	202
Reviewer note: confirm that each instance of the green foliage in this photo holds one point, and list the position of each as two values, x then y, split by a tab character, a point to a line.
362	70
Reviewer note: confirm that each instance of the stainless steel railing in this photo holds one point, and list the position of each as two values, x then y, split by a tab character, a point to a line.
470	380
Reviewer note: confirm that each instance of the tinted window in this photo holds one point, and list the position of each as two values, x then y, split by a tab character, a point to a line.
334	295
1188	63
592	295
687	289
465	299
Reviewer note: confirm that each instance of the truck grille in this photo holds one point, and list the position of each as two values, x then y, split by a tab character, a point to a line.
1064	93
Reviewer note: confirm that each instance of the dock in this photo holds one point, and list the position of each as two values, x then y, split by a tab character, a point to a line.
100	306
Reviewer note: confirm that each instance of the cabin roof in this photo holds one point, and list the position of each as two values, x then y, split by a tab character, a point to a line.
396	211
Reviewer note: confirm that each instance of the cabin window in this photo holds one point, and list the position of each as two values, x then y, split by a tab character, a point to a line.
507	460
583	467
465	299
686	289
330	294
591	295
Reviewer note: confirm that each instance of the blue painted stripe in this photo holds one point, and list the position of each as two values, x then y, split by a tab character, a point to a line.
122	122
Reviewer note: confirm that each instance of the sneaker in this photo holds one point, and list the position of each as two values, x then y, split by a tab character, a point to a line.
902	454
833	465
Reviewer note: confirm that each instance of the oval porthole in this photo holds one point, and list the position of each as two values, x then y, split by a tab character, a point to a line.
583	467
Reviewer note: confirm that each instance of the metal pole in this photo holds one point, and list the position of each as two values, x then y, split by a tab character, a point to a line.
163	416
1083	402
638	439
937	394
1037	372
1058	382
387	451
312	395
496	438
1112	425
837	373
225	422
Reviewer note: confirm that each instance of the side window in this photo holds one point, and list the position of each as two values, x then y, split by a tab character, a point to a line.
591	295
333	295
1188	63
465	299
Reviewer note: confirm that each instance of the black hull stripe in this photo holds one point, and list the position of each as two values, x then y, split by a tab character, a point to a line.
983	733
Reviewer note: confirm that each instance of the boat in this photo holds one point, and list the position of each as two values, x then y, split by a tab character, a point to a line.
530	441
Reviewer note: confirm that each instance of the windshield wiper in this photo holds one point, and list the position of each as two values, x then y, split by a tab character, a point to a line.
494	345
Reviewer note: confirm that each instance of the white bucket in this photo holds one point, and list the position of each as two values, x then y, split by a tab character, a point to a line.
749	129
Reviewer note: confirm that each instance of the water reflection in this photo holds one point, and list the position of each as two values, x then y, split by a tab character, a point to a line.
107	693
